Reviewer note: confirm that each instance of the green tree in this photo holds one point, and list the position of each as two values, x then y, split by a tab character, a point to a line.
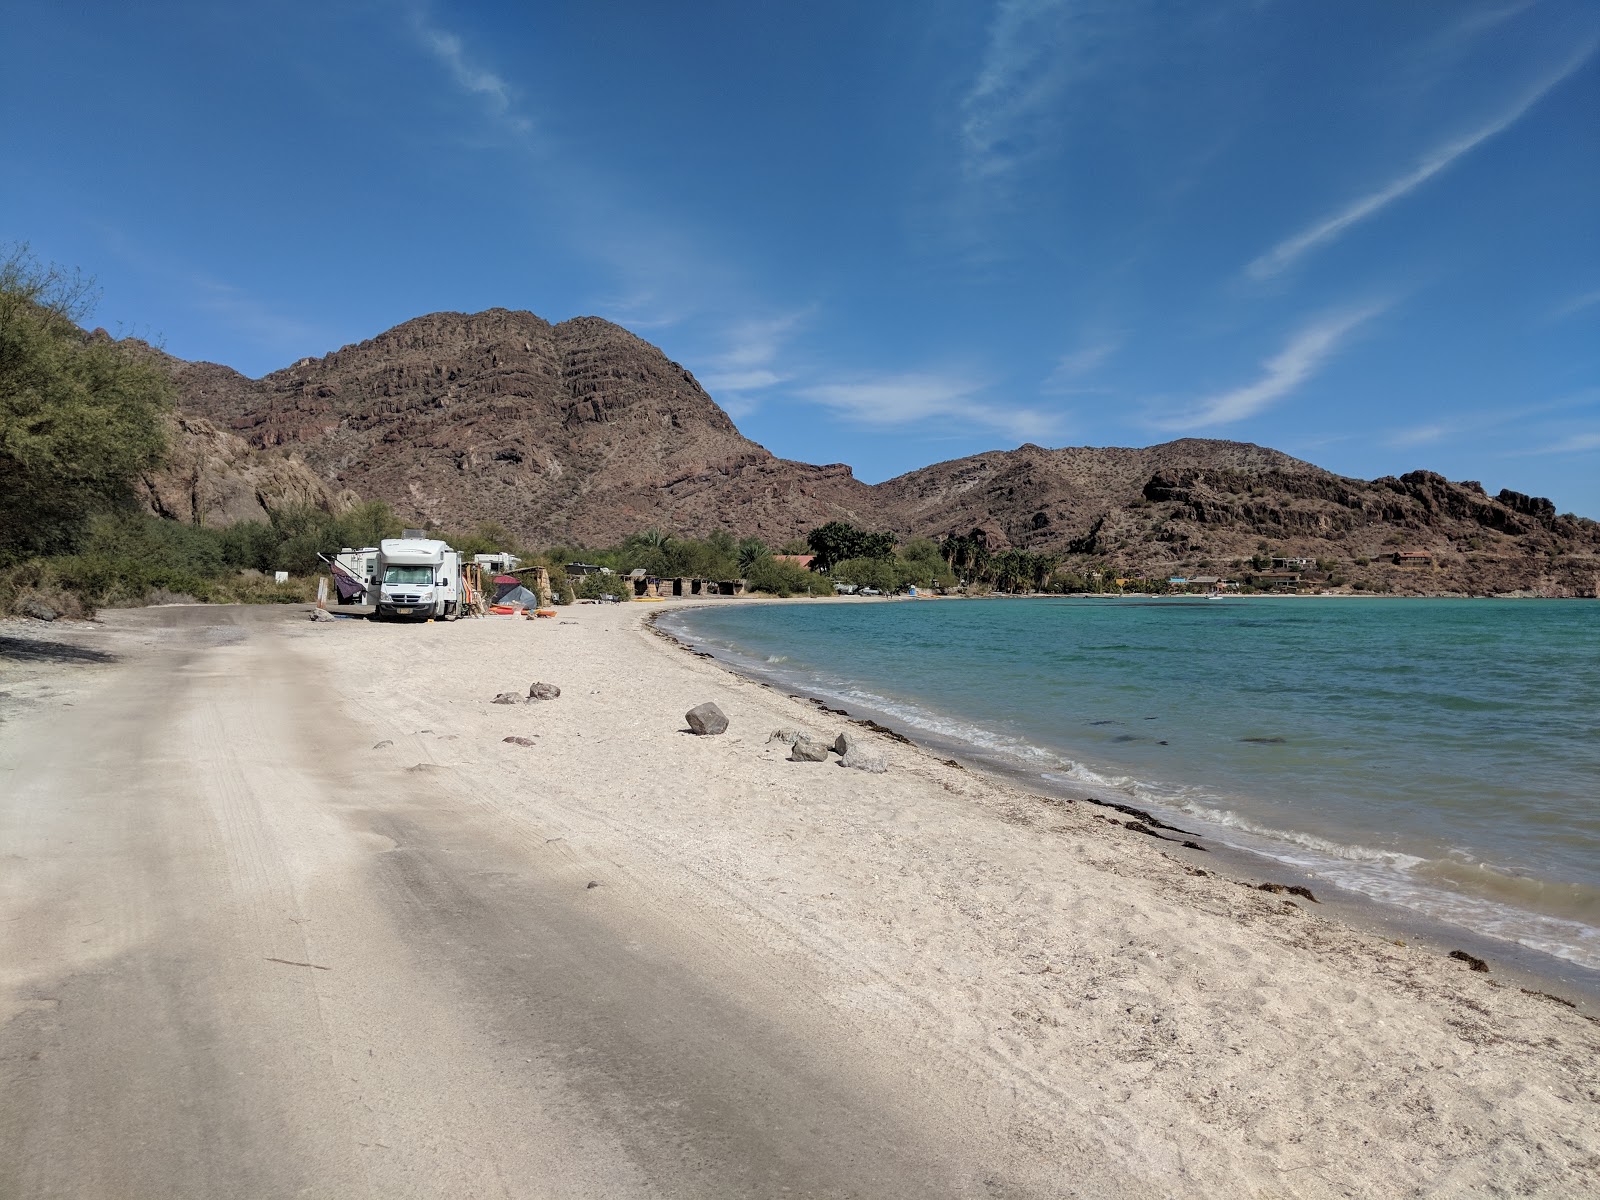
751	550
81	415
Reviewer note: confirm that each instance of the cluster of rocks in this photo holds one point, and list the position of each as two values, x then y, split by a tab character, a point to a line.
851	750
707	719
536	691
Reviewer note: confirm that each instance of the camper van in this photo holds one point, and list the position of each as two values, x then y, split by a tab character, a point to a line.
355	571
418	578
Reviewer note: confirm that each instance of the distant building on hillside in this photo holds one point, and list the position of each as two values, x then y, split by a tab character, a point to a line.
1414	558
803	561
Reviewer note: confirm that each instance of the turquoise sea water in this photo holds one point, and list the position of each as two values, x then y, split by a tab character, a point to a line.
1441	755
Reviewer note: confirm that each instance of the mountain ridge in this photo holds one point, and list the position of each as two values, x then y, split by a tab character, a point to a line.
582	432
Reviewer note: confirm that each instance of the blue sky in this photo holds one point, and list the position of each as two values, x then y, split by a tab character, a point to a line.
885	234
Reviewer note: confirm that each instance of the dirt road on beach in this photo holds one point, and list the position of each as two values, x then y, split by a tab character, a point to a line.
283	913
240	959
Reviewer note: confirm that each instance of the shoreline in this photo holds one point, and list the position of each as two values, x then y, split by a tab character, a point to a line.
1537	970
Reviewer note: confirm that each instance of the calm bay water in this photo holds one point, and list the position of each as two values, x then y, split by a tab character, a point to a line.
1442	755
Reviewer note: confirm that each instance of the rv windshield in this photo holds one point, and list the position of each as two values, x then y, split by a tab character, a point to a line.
395	573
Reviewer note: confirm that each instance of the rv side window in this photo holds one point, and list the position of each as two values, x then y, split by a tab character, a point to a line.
396	573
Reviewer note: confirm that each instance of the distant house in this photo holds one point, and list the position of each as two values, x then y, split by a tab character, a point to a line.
1413	558
1177	580
803	561
1277	580
578	570
1291	564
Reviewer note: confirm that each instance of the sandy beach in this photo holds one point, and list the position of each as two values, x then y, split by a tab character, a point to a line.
285	911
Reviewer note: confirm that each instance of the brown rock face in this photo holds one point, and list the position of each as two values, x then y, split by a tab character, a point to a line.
578	431
213	478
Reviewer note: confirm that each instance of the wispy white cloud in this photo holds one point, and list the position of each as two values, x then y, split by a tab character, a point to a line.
1035	48
1083	361
1304	355
749	363
1576	305
1287	252
468	74
1576	443
1419	435
921	398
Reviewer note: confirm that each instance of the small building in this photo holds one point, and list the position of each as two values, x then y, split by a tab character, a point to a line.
1292	564
579	570
1282	581
1413	558
1177	580
803	561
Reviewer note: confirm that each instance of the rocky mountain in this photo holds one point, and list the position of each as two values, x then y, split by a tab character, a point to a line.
582	432
571	432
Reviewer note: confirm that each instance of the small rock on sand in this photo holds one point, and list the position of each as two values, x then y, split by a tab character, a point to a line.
706	719
787	736
507	698
806	750
382	744
543	691
862	760
518	741
321	614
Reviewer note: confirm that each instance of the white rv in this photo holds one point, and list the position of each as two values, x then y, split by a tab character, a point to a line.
355	573
419	578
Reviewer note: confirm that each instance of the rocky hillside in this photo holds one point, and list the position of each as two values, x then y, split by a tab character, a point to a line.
1197	505
578	431
212	477
582	432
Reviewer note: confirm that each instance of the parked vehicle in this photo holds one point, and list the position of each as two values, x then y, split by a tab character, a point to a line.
419	578
355	573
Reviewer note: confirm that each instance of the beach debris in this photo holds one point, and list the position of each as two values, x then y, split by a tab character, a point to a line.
886	731
705	719
291	963
1547	996
863	760
593	883
320	614
1140	815
1293	889
507	698
518	741
950	762
1472	960
808	750
382	744
37	609
787	736
543	691
1265	741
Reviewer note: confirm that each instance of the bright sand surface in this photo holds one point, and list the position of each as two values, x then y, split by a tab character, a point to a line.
1023	981
1089	998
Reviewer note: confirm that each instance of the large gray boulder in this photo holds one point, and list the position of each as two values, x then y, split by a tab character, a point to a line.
843	743
863	760
706	719
807	750
37	609
787	736
543	691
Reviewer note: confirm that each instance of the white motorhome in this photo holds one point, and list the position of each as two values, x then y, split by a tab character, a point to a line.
355	573
418	577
